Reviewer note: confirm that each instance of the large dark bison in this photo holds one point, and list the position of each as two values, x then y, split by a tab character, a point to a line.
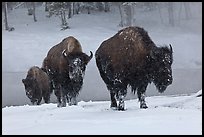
65	64
37	85
130	58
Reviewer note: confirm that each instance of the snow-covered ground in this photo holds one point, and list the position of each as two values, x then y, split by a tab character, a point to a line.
166	115
176	111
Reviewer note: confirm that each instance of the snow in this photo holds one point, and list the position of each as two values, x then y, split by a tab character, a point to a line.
176	111
166	115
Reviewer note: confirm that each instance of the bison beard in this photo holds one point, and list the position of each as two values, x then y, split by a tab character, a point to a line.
130	58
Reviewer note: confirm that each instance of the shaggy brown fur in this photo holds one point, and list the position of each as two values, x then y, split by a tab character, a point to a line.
127	48
60	61
130	58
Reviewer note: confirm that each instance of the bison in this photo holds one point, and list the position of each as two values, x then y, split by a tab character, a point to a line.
65	64
37	85
130	58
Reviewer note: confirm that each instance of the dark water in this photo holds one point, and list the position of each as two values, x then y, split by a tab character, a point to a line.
186	81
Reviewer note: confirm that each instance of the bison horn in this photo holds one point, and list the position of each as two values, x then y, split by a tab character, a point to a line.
64	53
170	48
23	80
90	57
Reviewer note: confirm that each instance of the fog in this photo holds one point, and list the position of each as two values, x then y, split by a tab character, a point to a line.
29	43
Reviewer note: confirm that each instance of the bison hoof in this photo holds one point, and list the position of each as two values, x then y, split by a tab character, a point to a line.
61	105
58	105
70	104
113	105
74	103
121	108
143	106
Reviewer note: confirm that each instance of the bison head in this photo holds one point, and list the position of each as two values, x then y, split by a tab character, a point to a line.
77	64
162	61
30	86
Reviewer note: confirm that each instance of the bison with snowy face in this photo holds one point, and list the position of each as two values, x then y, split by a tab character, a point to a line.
37	85
65	64
130	58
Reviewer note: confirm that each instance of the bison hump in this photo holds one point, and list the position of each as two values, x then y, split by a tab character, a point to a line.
72	45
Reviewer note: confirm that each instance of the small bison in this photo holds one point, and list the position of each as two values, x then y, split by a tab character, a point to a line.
130	58
65	64
37	85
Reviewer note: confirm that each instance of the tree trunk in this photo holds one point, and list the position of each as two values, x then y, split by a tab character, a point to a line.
160	15
107	7
121	16
70	10
34	17
6	17
64	18
73	7
88	8
129	15
171	15
77	8
187	10
46	6
99	5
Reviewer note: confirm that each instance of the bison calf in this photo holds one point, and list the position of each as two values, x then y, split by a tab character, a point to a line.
37	85
130	58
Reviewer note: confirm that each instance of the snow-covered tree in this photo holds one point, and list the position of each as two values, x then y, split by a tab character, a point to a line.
60	9
171	13
5	8
88	6
5	15
127	13
34	17
107	6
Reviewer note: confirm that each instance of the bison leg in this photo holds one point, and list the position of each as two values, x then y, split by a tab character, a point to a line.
52	86
63	101
112	96
113	100
141	96
39	100
33	102
69	100
58	95
121	97
74	101
63	96
47	98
